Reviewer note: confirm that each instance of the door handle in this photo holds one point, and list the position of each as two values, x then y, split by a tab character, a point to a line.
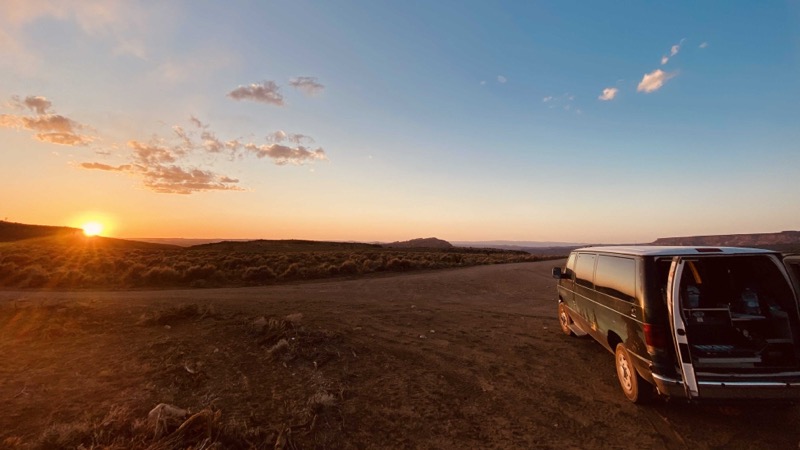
633	311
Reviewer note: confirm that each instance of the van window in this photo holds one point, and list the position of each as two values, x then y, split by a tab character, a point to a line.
616	276
584	269
570	269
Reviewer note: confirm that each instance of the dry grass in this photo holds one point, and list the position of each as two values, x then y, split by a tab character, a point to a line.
189	398
26	266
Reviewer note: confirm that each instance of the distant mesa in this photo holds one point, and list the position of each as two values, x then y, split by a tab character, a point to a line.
735	240
430	242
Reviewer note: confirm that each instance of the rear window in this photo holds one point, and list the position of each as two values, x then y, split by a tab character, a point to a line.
616	276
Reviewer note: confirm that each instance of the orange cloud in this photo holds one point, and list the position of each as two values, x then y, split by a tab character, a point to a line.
48	127
653	81
165	165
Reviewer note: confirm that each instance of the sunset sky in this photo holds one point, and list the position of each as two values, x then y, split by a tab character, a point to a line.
576	121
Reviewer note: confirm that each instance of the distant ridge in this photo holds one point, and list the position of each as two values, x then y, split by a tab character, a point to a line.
735	240
283	245
430	242
20	234
13	231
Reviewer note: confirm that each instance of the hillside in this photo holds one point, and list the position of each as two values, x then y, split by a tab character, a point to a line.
12	231
282	246
23	235
430	242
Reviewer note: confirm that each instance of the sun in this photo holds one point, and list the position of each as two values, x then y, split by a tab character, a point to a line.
92	228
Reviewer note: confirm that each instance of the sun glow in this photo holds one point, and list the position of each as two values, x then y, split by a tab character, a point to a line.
92	228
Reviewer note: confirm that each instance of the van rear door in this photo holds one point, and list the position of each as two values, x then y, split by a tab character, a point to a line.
678	327
792	264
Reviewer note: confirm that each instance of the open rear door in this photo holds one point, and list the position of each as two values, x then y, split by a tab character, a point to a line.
792	264
678	327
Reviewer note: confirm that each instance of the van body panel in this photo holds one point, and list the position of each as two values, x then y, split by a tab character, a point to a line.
698	322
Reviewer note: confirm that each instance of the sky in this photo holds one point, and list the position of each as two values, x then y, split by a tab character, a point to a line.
569	121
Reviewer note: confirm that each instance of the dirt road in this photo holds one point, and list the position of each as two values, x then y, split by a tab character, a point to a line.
466	358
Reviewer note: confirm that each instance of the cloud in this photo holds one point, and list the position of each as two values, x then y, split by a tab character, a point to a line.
162	170
101	166
654	80
297	138
266	92
608	94
672	52
565	101
169	165
114	20
309	85
703	45
501	79
282	154
35	103
47	126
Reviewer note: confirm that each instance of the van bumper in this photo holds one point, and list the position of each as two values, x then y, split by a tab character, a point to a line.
731	390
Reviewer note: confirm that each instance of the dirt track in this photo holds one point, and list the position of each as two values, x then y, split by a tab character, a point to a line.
467	358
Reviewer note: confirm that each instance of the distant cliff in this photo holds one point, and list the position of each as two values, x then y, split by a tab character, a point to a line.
736	240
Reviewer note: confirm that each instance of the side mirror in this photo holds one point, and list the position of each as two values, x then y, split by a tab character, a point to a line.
557	273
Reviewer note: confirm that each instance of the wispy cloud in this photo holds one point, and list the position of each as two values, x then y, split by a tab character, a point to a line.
169	165
297	138
309	85
119	22
501	79
266	92
564	101
672	52
703	45
654	80
47	126
608	94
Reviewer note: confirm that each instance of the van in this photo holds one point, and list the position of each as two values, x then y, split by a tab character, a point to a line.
697	323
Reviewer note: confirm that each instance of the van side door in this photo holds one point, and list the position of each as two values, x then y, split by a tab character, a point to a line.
585	304
615	280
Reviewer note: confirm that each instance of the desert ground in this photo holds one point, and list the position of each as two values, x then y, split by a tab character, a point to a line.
459	358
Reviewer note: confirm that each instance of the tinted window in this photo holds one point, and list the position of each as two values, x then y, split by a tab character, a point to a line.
584	269
616	276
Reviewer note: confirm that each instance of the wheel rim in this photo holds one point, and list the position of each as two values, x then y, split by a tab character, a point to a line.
624	372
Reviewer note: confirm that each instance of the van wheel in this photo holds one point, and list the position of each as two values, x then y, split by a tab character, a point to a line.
633	386
564	319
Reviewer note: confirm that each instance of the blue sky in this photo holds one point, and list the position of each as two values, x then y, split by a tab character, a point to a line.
379	121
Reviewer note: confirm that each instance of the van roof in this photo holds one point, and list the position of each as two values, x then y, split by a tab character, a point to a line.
659	250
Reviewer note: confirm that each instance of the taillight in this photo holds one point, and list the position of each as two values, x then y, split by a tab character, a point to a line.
655	337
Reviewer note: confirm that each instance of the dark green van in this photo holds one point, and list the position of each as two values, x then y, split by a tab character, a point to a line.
690	322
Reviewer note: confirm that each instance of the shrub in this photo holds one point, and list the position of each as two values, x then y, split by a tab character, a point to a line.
260	274
161	276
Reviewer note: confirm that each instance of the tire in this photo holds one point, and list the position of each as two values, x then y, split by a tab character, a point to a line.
635	388
564	319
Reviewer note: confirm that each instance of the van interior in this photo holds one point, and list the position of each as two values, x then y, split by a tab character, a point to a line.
739	315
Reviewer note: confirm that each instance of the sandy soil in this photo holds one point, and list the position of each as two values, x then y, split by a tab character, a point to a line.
466	358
